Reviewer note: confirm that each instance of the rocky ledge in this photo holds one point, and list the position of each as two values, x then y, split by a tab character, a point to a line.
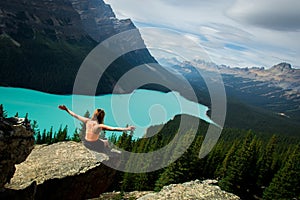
204	190
193	190
65	170
16	143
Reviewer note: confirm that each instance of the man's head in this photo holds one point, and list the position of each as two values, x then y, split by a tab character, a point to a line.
99	114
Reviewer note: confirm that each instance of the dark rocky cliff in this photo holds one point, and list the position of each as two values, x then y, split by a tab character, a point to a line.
60	19
43	43
99	20
16	143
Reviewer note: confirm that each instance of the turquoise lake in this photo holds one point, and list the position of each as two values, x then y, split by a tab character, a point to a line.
142	108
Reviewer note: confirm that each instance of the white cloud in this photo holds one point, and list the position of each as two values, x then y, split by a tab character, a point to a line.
271	14
232	32
162	41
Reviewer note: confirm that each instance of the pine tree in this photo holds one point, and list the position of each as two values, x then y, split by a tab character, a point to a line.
286	182
38	139
43	138
124	141
227	161
49	137
64	135
265	164
196	165
169	176
178	171
128	183
27	122
142	182
60	135
35	128
241	171
76	136
113	138
3	113
214	158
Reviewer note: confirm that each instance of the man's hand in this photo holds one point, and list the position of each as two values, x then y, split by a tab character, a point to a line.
131	128
63	107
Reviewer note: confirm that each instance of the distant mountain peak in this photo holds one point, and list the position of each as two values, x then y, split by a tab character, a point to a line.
282	67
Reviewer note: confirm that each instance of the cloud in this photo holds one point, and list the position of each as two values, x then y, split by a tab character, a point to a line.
173	44
235	47
231	32
271	14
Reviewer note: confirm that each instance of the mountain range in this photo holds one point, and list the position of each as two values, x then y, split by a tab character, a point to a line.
272	92
44	43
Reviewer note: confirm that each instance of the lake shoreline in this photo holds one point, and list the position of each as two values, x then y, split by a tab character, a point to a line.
142	108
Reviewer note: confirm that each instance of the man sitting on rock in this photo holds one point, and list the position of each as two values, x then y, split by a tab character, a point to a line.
94	126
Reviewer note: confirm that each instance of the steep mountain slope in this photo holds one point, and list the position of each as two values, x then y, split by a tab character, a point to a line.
276	88
257	98
43	43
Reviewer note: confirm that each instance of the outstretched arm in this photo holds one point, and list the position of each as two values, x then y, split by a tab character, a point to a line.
83	119
110	128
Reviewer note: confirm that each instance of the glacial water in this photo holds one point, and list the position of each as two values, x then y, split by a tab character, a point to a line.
142	108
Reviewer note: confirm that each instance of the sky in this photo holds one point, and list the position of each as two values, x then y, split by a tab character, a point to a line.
237	33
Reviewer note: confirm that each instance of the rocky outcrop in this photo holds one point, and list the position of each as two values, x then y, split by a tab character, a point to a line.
65	170
99	20
193	190
16	143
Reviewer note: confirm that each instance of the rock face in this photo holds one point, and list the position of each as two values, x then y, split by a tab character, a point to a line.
99	20
16	143
65	170
48	41
191	190
60	19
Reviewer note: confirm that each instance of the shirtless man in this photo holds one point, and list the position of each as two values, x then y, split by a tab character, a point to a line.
94	127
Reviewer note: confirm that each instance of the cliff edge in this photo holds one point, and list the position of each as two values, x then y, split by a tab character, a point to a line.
16	143
192	190
64	170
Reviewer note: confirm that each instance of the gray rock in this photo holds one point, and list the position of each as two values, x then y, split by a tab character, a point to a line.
99	20
65	170
16	143
148	196
193	190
